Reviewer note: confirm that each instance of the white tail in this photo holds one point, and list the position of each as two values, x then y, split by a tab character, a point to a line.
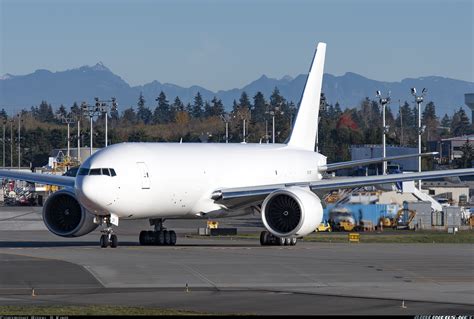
306	125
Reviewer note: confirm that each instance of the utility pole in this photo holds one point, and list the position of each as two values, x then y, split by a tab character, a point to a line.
418	101
401	122
4	123
273	113
384	101
68	120
19	141
90	111
11	143
103	106
243	114
226	118
79	139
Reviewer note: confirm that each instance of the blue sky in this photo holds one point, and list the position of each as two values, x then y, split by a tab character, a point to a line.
226	44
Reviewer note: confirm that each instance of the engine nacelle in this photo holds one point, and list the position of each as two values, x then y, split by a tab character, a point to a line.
292	212
65	217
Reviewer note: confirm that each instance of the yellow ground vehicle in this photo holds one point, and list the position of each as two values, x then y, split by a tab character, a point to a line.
345	225
324	227
386	222
404	218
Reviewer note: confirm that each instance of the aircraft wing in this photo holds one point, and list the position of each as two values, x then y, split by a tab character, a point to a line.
237	197
48	179
363	162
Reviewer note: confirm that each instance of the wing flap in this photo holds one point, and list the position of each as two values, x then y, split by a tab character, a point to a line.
48	179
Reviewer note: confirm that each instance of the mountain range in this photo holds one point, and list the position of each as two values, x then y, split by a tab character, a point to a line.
86	82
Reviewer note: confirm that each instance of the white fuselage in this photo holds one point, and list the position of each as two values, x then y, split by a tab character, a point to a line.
173	180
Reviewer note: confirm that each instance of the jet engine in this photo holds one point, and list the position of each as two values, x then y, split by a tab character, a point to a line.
292	212
65	217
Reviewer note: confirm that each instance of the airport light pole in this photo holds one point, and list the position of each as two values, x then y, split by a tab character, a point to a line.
226	119
273	113
103	106
68	120
243	114
418	101
19	141
4	124
79	139
90	111
384	101
401	122
11	143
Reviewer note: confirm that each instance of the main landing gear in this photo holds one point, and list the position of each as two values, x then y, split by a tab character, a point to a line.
160	236
268	239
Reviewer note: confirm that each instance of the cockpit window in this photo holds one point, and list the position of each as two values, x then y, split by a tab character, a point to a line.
95	171
83	171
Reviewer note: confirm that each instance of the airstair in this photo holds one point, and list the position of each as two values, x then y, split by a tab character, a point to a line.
409	187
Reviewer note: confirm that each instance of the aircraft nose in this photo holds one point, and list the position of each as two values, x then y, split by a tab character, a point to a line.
96	192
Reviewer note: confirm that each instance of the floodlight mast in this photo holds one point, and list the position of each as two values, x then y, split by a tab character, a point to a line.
384	101
226	118
418	101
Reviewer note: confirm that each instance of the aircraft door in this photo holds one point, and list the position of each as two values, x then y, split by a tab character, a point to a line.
144	175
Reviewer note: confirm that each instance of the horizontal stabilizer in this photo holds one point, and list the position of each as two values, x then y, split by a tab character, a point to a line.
364	162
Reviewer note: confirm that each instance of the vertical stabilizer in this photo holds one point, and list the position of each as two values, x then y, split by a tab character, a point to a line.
306	125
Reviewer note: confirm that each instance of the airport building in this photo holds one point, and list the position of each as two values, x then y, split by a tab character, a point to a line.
360	152
449	149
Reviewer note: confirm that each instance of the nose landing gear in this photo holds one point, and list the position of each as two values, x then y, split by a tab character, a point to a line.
108	238
160	236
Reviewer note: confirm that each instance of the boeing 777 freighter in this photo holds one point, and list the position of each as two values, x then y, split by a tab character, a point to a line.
160	181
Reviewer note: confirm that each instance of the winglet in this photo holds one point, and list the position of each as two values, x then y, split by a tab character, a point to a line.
306	125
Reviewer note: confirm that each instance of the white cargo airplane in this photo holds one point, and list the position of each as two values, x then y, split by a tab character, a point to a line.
161	181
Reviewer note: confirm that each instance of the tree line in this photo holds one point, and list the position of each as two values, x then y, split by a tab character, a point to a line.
43	128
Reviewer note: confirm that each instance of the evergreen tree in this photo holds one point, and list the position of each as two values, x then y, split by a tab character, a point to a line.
446	121
460	124
235	106
144	114
207	110
260	107
3	114
467	155
129	116
61	113
162	111
276	100
430	119
45	112
217	107
244	101
75	111
197	110
178	105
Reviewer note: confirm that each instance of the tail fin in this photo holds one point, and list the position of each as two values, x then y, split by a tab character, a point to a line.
306	125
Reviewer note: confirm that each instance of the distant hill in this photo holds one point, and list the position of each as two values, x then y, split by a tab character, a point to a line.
86	82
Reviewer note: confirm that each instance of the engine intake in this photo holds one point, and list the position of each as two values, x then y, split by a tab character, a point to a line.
292	212
65	217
